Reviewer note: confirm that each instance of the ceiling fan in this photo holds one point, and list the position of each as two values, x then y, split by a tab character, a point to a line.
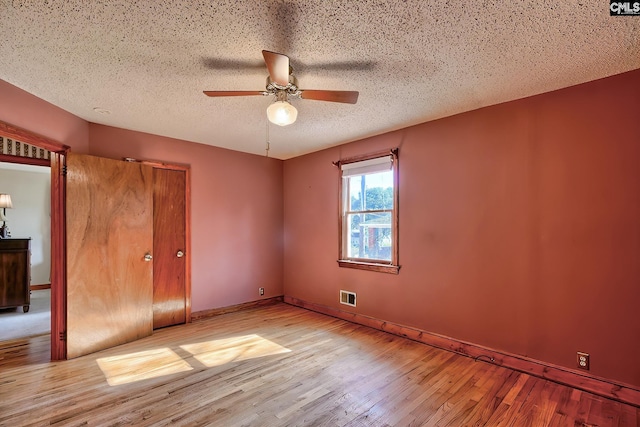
283	85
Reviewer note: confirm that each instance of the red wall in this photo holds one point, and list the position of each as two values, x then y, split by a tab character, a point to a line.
519	223
519	228
29	112
236	213
236	198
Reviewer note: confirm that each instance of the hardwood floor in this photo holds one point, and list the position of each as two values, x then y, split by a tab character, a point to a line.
283	366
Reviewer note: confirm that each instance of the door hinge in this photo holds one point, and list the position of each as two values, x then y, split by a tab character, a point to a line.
63	336
63	171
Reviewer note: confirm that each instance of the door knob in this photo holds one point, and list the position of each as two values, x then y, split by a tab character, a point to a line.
180	254
148	257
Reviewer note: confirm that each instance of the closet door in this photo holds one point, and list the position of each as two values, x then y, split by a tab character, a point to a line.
109	253
169	247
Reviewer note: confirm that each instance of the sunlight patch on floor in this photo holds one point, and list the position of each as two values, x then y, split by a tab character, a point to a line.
144	365
219	352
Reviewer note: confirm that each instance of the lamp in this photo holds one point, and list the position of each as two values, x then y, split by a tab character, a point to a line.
5	202
281	112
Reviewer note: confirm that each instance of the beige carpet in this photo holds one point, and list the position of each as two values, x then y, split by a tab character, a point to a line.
14	323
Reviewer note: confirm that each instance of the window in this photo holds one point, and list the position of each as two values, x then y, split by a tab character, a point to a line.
369	212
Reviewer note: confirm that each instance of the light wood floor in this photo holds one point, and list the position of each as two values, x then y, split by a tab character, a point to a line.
283	366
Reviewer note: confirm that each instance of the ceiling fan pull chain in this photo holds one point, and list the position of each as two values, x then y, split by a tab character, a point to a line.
267	148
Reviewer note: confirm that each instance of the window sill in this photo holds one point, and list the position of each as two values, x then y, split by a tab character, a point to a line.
370	266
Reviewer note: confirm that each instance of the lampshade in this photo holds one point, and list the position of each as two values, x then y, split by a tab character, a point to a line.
5	201
282	113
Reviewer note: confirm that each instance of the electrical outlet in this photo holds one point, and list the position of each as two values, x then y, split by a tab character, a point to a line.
583	360
261	291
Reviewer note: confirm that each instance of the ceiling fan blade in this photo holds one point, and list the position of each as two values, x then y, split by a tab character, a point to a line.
337	66
346	96
232	92
213	63
278	66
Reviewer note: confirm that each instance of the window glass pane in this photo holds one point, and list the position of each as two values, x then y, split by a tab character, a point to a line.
377	189
369	236
369	214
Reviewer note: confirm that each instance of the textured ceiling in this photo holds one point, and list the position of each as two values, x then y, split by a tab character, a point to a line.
147	62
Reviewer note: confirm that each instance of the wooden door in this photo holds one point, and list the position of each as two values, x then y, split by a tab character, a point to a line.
169	293
109	231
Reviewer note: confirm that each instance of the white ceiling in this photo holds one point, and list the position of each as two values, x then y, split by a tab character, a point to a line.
147	62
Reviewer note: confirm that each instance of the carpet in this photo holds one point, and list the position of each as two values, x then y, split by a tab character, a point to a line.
14	323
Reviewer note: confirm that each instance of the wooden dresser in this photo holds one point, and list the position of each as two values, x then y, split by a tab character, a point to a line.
15	263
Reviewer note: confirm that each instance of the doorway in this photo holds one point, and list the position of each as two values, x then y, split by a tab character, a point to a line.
29	187
55	159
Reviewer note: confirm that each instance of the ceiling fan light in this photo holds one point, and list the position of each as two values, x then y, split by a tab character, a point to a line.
282	113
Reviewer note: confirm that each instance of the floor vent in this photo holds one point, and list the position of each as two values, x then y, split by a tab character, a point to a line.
348	298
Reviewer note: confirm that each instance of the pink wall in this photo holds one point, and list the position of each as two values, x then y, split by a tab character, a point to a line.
518	222
519	228
29	112
236	198
236	213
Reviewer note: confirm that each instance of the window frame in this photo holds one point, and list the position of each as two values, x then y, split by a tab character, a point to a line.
393	266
